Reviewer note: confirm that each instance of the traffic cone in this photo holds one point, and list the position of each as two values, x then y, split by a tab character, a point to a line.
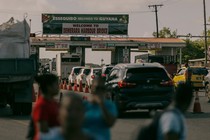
80	86
197	105
75	85
65	85
69	86
86	88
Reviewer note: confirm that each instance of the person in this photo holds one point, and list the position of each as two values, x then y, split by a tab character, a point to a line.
45	111
71	116
100	113
172	125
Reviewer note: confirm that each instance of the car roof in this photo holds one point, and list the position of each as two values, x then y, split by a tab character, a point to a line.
139	65
77	67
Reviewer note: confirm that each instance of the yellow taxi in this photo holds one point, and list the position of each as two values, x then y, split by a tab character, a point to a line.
195	74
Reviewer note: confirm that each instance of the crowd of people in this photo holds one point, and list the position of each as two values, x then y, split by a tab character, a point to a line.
76	119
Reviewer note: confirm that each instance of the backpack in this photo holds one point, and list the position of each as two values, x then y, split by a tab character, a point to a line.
150	131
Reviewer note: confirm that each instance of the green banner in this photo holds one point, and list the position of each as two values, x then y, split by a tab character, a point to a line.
85	18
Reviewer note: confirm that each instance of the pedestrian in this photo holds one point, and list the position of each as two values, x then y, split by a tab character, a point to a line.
172	122
45	112
100	113
170	125
71	116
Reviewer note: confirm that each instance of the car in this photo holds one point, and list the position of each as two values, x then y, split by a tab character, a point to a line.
93	73
105	71
196	75
206	83
74	72
82	76
140	86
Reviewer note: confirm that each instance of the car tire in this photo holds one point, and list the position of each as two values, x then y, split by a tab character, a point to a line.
16	108
26	108
120	110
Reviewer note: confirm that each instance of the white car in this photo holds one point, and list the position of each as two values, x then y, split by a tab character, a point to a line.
74	72
82	75
93	73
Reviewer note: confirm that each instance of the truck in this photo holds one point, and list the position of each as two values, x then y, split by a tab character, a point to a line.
17	67
64	64
169	62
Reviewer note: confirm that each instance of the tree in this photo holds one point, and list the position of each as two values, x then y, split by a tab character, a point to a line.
165	33
193	50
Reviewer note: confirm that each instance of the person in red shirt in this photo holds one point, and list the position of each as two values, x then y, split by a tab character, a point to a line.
45	112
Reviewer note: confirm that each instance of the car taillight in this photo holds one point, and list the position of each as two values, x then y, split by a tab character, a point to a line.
92	76
103	75
167	83
123	84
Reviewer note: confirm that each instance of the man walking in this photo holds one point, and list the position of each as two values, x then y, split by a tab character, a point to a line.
171	124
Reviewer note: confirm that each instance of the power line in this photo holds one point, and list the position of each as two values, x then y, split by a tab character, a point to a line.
155	7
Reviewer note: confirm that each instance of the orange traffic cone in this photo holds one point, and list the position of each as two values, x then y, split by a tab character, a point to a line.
80	86
65	85
197	105
69	86
86	88
75	85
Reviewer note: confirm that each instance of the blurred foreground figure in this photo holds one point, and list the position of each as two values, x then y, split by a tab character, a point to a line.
45	113
170	125
100	113
71	116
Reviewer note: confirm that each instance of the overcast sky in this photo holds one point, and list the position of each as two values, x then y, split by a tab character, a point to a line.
185	16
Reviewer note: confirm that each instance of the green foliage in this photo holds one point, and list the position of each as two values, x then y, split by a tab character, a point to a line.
193	50
165	33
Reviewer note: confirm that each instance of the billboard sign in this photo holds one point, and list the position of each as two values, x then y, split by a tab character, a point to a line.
102	46
57	46
85	28
88	24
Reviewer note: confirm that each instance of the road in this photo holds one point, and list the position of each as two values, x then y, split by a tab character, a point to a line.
15	128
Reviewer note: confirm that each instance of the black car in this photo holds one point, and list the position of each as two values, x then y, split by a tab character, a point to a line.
105	71
140	86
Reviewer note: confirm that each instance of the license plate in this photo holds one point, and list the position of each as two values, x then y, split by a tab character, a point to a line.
198	78
148	87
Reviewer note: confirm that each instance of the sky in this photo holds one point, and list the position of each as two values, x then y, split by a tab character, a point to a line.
185	16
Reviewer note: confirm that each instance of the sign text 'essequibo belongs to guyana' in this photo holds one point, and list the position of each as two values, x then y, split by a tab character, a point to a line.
86	24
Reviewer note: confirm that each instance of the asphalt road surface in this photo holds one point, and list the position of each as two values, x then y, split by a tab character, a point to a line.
15	127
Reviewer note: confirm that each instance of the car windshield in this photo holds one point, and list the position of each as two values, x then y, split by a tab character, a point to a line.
138	74
86	71
108	69
97	71
200	71
77	70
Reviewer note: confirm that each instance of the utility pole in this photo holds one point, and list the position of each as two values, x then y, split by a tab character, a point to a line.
156	15
205	32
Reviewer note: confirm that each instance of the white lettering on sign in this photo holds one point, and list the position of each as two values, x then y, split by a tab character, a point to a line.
85	28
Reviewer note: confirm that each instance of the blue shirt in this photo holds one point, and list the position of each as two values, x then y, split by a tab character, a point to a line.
94	123
171	122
